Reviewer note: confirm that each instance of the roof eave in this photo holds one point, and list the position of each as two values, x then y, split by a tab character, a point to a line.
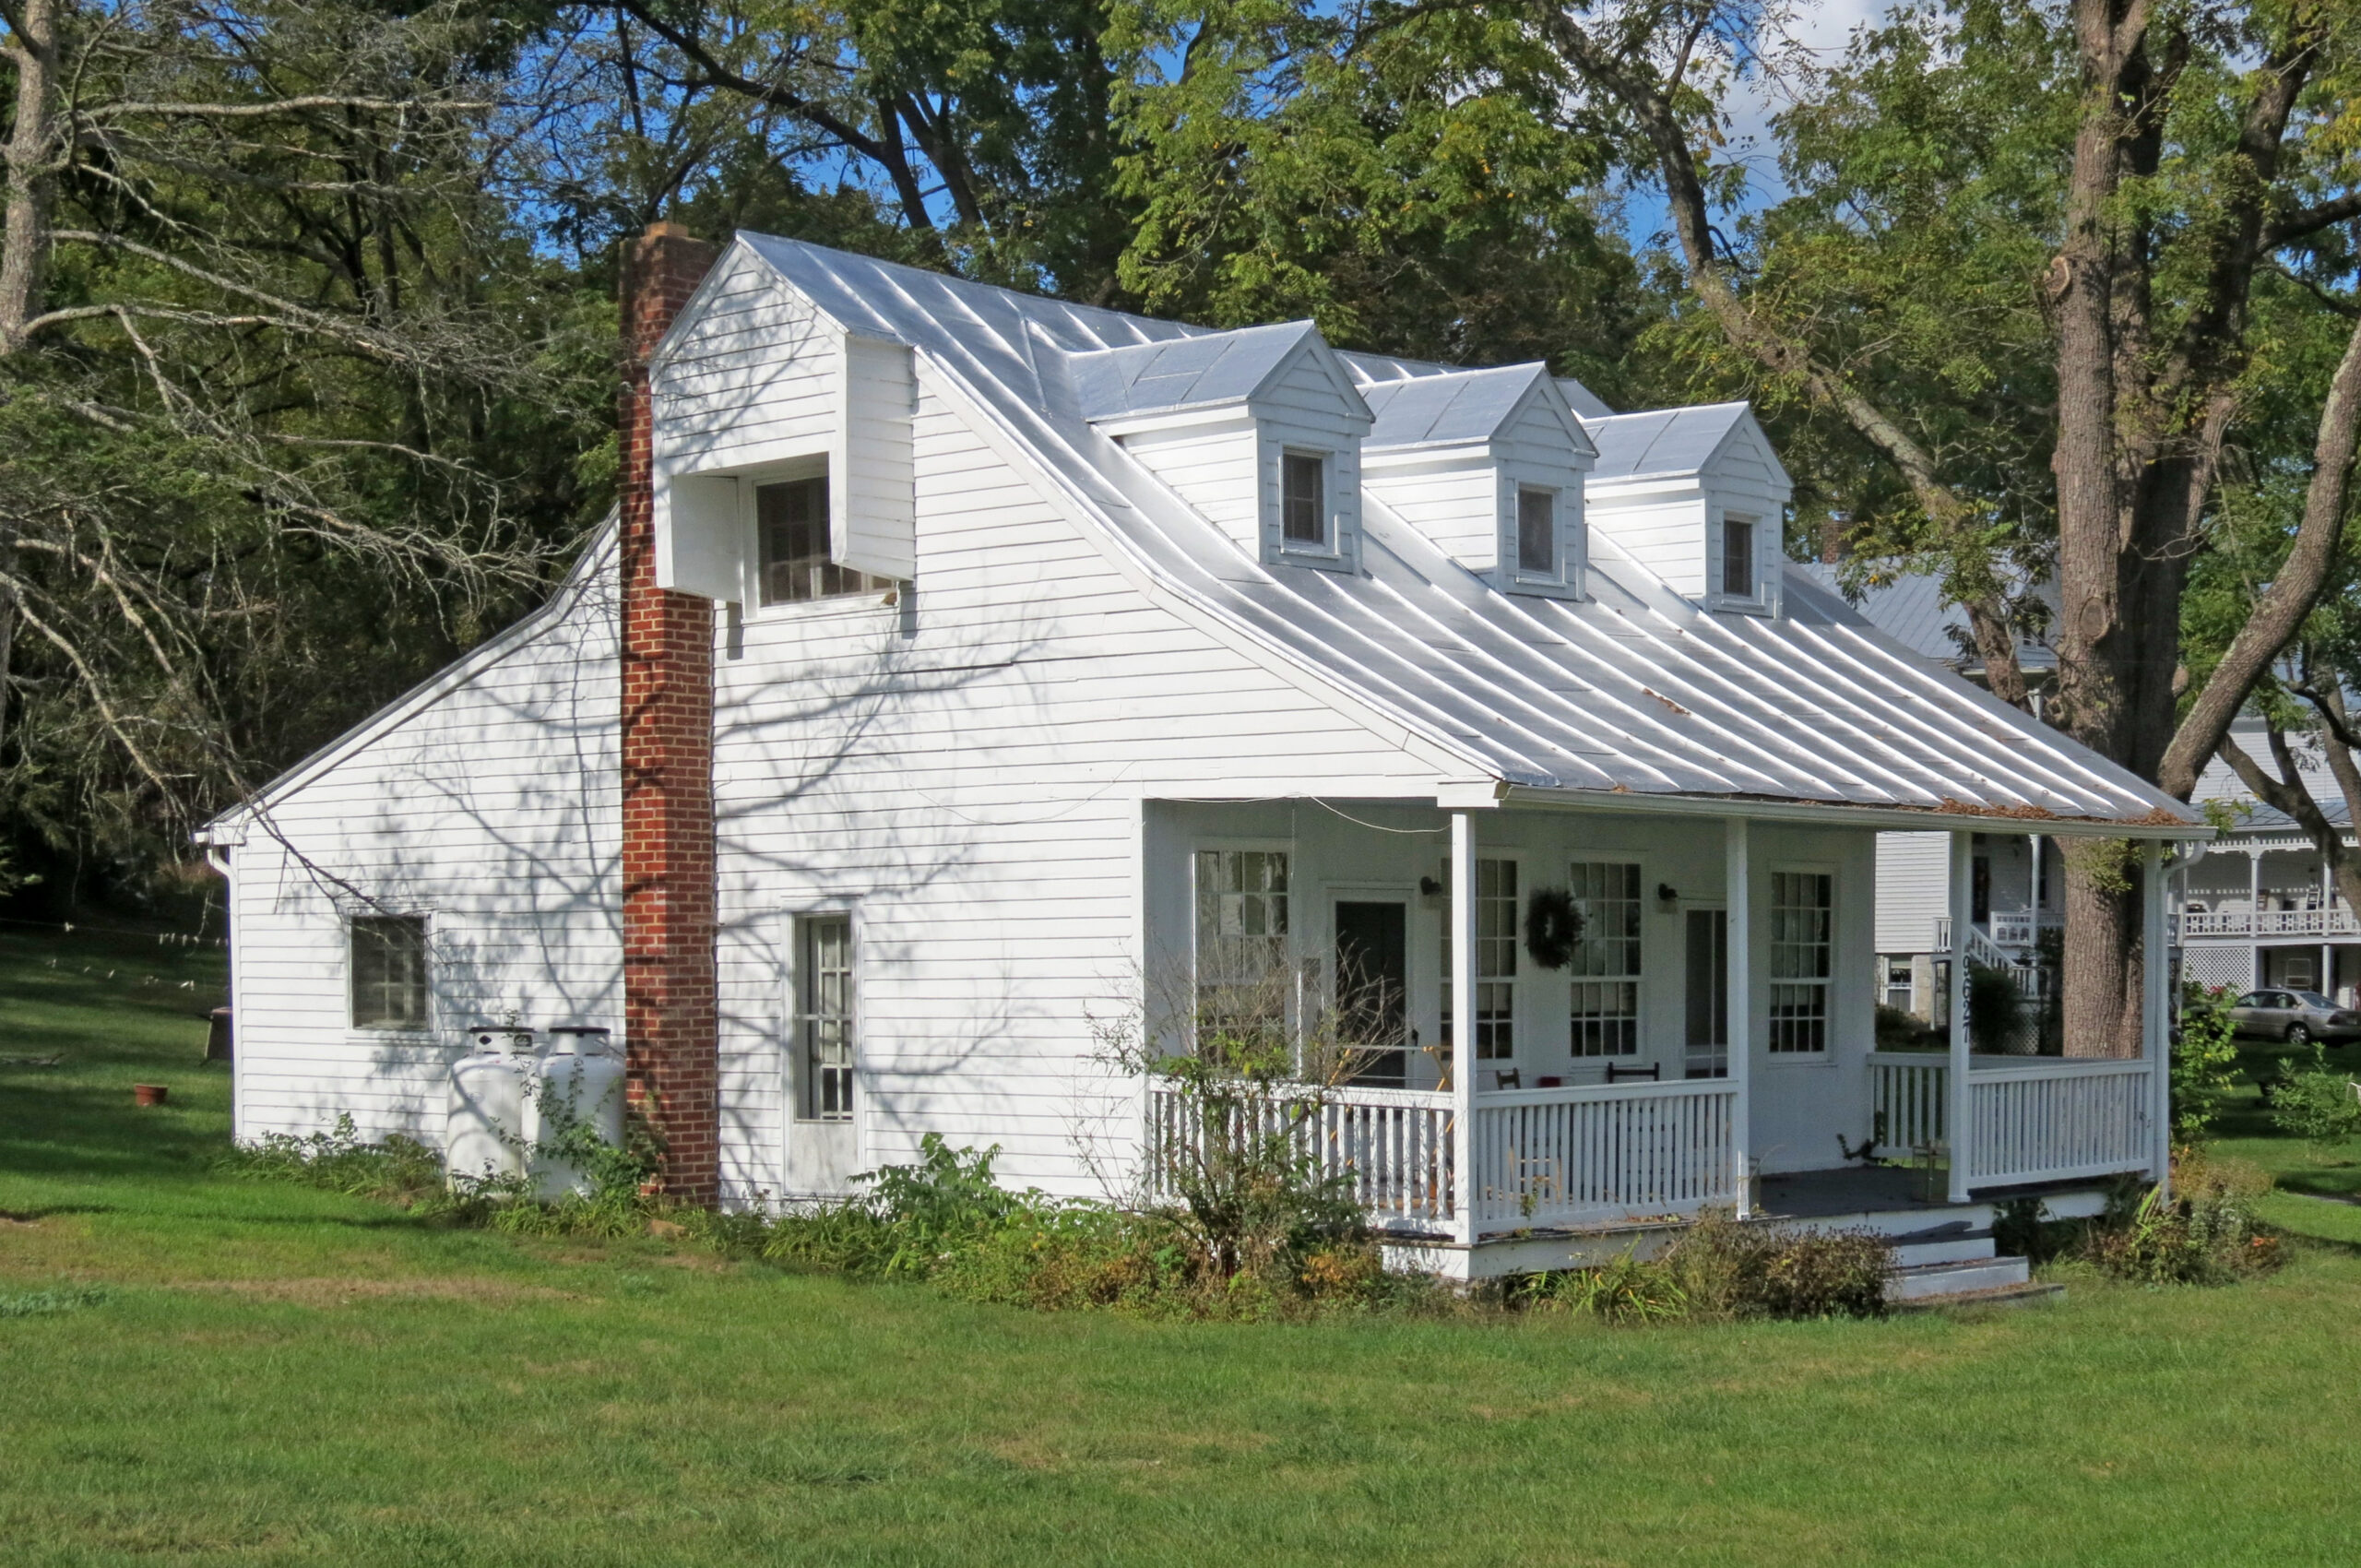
1834	814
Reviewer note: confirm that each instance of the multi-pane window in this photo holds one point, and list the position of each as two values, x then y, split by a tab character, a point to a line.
1606	964
824	999
1802	944
1244	981
791	546
1304	498
387	965
1495	961
1737	557
1536	531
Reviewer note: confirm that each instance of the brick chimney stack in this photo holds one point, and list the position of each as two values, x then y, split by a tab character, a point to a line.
672	1038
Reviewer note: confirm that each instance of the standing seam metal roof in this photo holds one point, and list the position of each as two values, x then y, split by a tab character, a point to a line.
1635	690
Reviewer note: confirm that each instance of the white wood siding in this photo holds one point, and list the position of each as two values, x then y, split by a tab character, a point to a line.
1453	500
1914	889
872	502
1212	467
965	770
1662	527
492	810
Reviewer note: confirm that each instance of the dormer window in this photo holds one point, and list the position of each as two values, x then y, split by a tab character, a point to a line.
1737	557
791	546
1304	499
1537	532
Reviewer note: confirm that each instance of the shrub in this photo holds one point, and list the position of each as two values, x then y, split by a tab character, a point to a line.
1719	1269
1996	1010
399	1170
2204	1062
1898	1027
2315	1102
2206	1233
1630	1289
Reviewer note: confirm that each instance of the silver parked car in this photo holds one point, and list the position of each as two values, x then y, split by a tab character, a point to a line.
2296	1016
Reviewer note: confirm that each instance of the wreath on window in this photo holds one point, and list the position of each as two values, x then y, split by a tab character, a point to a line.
1552	925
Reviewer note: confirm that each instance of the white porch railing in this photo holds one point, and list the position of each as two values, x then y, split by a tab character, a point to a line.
1583	1154
1602	1152
2338	921
2046	1120
1392	1145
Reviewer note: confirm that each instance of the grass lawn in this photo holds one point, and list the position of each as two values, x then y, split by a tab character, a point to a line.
263	1374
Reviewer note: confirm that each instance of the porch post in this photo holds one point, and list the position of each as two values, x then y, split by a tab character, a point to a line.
1957	1114
1462	916
2156	1037
1737	898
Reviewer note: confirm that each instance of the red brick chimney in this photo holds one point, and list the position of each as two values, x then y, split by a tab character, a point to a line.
672	1038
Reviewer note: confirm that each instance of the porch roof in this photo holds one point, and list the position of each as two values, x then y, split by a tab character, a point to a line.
1634	691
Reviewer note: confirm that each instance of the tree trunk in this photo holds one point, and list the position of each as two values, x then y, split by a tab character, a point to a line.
24	248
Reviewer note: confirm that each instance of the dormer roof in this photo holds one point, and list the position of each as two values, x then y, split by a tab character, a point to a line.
1202	371
1676	443
1464	407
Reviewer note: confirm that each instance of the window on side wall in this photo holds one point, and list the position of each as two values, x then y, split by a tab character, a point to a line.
1737	557
1605	963
387	960
791	546
1537	532
1496	905
1304	499
1802	949
824	1022
1245	983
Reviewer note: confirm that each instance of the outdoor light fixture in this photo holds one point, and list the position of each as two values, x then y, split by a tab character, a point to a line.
1429	886
1665	891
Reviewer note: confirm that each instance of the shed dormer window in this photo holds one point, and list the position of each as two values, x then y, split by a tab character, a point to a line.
1303	499
1537	532
791	546
1737	557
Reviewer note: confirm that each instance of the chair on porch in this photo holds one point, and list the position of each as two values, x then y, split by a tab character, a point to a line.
1508	1078
1618	1074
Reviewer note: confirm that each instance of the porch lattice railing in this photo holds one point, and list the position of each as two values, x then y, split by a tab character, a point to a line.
2046	1120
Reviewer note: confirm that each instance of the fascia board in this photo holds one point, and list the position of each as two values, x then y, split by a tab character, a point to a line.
1179	415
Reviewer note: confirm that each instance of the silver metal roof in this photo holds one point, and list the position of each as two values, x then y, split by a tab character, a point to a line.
1913	610
1458	408
1633	692
1194	372
1665	443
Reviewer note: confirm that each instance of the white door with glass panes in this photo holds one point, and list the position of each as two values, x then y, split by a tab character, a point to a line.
822	1037
1793	1081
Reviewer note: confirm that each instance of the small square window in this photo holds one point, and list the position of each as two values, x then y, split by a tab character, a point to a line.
791	546
1304	498
387	960
1537	532
1737	558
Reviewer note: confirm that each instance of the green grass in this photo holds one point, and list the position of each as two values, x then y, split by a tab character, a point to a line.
228	1370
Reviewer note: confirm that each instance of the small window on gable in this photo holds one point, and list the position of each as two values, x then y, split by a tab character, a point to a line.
1737	557
1303	499
791	546
1537	532
387	962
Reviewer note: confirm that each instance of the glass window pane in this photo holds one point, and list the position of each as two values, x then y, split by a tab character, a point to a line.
1536	531
387	955
1737	558
1304	498
1496	949
1802	954
1607	1011
826	984
791	547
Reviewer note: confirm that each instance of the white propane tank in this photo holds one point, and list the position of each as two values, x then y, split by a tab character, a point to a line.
483	1130
580	1080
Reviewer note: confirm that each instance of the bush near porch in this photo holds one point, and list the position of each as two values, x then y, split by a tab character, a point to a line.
203	1369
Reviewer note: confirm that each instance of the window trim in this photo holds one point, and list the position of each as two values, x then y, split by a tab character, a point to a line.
791	1005
425	1026
1757	600
1330	545
1826	1055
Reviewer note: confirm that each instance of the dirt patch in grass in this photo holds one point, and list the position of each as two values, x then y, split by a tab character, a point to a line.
334	1292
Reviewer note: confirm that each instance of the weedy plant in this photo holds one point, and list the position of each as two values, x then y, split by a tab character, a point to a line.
2315	1103
2204	1062
2206	1233
1718	1269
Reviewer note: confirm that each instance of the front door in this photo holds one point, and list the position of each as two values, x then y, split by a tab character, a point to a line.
821	1146
1372	975
1707	1023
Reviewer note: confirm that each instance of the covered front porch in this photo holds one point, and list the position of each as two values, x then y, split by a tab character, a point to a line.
1709	1042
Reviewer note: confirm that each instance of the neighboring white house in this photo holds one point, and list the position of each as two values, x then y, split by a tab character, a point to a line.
1054	650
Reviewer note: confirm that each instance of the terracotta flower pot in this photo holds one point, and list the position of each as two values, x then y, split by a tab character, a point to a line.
150	1094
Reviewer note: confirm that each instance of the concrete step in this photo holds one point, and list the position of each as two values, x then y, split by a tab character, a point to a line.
1929	1281
1916	1251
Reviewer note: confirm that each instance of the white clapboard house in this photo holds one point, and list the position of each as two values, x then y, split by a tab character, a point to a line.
1053	652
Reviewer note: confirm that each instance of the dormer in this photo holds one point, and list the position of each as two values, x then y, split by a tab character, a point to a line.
1697	497
1259	431
782	447
1490	465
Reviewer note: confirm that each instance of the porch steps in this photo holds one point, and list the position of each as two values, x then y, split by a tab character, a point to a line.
1951	1261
